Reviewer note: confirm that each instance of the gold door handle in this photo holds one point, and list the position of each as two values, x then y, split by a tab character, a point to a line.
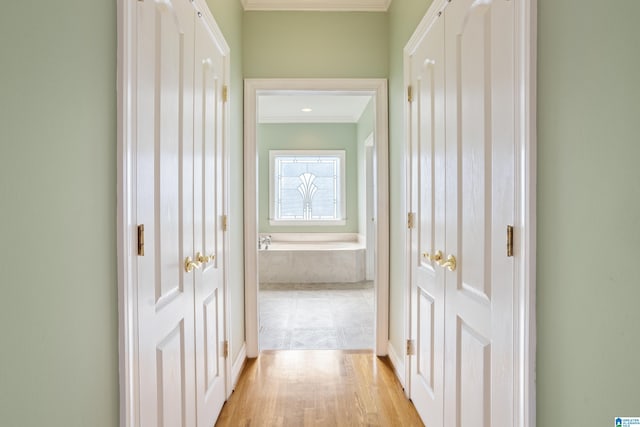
203	258
435	257
450	263
190	265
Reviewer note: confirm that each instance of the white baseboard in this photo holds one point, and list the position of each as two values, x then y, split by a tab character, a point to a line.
238	364
398	364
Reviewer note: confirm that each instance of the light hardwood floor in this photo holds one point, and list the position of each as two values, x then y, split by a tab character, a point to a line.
318	388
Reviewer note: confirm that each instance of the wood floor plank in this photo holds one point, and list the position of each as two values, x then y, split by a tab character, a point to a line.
318	388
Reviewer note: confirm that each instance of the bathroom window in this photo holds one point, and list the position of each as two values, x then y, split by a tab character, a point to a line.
307	187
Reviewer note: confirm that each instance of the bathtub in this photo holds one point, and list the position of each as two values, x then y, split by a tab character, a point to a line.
312	258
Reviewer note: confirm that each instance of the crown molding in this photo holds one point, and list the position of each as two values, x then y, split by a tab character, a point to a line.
317	5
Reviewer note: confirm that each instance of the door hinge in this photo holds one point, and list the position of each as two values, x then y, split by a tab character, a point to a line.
509	240
411	220
225	223
410	93
225	93
141	240
225	349
411	348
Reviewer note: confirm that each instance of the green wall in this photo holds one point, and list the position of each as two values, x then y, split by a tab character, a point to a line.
308	136
229	15
58	269
315	44
367	123
59	355
588	212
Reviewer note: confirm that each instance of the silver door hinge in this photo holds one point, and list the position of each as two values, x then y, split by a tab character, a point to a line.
411	220
411	348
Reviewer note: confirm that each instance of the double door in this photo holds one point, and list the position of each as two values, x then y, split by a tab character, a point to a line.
462	136
180	200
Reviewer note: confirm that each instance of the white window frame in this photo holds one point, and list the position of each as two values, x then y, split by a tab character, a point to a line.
341	196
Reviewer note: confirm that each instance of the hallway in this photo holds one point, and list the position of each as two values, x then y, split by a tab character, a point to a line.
318	388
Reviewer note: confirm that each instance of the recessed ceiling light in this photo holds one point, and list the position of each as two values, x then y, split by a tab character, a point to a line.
306	110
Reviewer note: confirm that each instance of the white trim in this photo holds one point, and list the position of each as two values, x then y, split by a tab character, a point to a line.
307	223
525	199
127	291
526	167
250	222
434	11
368	142
406	206
214	29
238	367
318	5
313	237
376	87
398	365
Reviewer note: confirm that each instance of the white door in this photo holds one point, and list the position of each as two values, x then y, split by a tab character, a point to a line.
479	335
209	134
462	135
427	237
164	178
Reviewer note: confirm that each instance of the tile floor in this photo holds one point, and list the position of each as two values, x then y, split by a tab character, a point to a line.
316	316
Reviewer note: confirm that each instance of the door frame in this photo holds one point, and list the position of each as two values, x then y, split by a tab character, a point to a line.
374	87
524	304
369	208
126	228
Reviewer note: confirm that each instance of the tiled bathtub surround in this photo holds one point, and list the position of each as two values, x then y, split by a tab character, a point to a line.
309	258
316	316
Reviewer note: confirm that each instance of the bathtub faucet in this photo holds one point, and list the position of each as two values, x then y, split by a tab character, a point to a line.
264	241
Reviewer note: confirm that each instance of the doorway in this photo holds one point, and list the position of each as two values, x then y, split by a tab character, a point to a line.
376	89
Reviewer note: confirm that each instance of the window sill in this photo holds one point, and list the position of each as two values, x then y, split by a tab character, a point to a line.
306	223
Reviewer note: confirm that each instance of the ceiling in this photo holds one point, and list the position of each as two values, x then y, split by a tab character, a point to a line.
318	5
325	108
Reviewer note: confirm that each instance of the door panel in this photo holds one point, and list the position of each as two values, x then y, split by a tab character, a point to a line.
475	377
479	183
428	204
209	133
171	378
212	369
473	81
163	179
425	340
